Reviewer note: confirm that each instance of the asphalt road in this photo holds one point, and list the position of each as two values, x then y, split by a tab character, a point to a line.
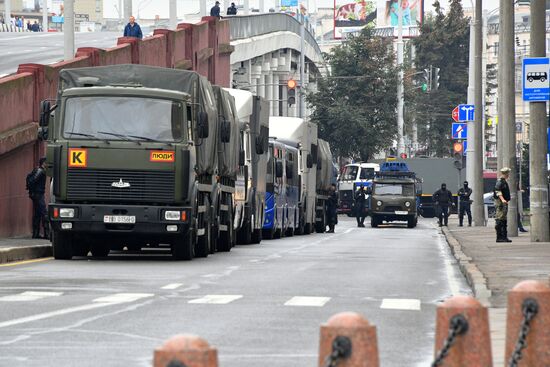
248	303
44	48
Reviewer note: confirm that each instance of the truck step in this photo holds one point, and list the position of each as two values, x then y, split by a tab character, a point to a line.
200	232
202	208
224	207
223	227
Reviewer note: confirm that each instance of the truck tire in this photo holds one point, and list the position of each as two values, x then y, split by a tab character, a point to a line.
81	247
256	236
290	229
184	247
268	234
62	246
99	249
307	228
374	221
411	222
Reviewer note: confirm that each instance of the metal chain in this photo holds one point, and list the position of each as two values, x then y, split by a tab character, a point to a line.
457	326
341	349
530	307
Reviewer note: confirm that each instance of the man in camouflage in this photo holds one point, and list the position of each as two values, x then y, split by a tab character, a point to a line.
502	197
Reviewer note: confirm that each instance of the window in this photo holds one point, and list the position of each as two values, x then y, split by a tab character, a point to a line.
366	174
394	189
350	173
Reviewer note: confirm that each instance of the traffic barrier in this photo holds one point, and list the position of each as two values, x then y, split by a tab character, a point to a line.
528	325
185	351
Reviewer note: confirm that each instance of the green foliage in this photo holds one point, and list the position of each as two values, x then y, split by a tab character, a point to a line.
355	107
443	43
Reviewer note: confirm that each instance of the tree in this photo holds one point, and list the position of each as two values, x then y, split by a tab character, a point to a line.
443	43
355	107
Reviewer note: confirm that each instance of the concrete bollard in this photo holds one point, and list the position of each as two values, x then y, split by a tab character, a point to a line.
185	351
535	296
356	338
472	344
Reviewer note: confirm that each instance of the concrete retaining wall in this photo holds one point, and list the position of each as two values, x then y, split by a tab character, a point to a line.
191	46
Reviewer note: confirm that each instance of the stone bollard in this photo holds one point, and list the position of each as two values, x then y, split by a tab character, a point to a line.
185	351
532	299
351	337
472	341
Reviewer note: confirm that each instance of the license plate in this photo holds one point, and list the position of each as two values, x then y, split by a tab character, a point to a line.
128	219
399	212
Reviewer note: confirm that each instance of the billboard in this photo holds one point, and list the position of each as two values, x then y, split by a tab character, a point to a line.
352	15
388	15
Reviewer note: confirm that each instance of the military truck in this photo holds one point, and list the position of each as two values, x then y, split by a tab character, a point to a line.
393	195
132	153
324	180
253	117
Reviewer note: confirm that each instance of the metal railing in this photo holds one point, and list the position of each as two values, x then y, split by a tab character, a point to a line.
246	26
493	28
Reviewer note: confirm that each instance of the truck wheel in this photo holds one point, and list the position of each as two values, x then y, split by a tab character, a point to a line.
268	234
411	222
184	247
81	247
374	222
307	228
245	235
62	246
290	230
256	236
100	250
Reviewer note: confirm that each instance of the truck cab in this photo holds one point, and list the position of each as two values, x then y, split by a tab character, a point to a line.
353	176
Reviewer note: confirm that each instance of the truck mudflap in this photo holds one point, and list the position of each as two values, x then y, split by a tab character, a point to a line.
120	219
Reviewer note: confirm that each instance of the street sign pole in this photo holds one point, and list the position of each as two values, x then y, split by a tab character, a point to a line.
477	133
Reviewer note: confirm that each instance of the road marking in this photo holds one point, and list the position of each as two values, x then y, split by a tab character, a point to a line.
28	51
400	304
25	262
217	299
172	286
307	301
29	296
97	303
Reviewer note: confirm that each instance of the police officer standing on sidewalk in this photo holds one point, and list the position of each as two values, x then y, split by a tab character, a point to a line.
464	196
36	184
359	206
502	197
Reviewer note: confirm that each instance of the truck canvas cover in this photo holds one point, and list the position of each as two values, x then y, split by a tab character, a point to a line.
324	166
228	153
197	86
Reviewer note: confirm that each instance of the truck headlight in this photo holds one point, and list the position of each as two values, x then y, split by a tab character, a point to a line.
379	203
66	212
407	204
172	215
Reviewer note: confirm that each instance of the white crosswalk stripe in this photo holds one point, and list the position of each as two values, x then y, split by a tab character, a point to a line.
172	286
29	296
122	297
216	299
400	304
307	301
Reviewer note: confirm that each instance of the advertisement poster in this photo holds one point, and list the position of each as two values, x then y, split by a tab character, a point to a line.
388	15
352	15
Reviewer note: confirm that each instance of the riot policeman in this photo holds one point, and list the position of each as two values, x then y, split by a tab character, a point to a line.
501	196
36	184
464	196
359	206
443	198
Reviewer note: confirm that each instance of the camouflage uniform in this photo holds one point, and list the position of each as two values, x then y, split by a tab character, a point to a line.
501	189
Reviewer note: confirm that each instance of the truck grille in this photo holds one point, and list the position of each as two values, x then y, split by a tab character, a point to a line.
391	208
101	185
346	195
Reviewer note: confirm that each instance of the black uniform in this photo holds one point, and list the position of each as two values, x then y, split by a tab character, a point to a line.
331	206
232	10
464	196
501	188
443	198
37	189
359	206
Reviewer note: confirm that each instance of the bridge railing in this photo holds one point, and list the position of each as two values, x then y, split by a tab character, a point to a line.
247	26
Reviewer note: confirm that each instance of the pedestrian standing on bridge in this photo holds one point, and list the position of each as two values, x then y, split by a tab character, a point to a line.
35	27
331	206
36	185
133	29
215	11
443	198
502	197
464	196
232	10
359	207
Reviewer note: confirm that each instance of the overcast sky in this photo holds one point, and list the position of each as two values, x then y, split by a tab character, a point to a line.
149	8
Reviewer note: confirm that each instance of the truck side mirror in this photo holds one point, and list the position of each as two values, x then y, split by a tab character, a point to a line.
202	126
309	161
241	158
259	145
279	169
45	110
225	131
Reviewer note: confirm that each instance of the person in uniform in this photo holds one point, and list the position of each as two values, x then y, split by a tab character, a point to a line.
443	198
331	206
464	196
501	196
37	189
359	206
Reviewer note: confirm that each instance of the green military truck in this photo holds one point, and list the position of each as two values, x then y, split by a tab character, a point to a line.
393	195
133	155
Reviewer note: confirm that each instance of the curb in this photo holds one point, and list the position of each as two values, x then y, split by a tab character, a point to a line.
11	254
474	276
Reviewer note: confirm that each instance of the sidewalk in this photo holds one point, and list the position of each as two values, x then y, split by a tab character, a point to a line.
492	269
19	249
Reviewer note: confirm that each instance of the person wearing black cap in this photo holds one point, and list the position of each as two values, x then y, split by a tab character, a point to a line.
215	11
36	184
464	196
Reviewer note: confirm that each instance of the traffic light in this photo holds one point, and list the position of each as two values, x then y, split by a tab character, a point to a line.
403	155
291	91
426	80
457	154
435	79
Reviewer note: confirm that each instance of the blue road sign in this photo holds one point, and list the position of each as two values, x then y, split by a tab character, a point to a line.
289	2
464	146
466	112
460	130
535	79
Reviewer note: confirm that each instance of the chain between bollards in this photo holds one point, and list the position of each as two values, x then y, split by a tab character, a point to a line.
529	308
457	326
341	349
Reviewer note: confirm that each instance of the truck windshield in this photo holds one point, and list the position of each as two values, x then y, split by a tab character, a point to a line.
124	118
367	174
394	189
350	173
